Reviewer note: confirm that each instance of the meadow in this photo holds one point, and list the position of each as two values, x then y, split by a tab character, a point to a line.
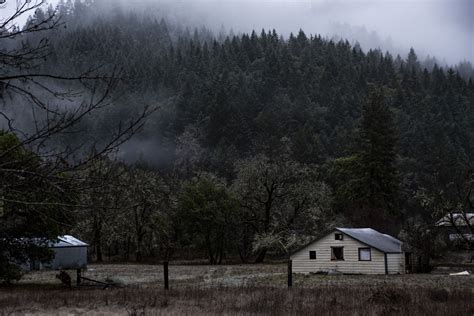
238	290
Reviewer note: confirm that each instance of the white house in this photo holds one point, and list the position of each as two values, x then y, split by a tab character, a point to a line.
352	251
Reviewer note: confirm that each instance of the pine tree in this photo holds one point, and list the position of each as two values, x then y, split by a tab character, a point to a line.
377	153
366	183
412	61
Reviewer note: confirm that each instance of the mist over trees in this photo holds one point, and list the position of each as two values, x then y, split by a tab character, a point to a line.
40	182
260	139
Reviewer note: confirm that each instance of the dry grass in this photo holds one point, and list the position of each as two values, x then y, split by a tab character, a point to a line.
231	290
180	275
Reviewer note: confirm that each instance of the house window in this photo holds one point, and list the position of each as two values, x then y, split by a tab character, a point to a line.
337	253
312	255
365	254
338	236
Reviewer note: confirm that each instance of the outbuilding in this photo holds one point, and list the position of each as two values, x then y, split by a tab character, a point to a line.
351	251
457	227
69	253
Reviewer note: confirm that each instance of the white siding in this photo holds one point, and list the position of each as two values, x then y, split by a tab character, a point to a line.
350	264
396	263
69	258
64	258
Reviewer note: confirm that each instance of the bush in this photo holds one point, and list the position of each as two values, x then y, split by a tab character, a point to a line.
9	272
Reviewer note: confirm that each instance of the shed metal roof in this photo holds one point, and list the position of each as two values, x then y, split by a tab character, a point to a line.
373	238
68	241
459	219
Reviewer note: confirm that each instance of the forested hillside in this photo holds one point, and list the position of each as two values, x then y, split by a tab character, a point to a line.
248	92
259	137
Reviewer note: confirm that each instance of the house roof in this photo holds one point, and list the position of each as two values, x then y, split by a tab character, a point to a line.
458	218
67	241
373	238
383	242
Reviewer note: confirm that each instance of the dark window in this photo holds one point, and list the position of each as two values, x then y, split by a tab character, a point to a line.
338	236
312	255
337	253
365	254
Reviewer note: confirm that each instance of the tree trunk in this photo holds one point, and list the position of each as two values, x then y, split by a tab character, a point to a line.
165	275
261	255
212	259
243	257
98	250
244	246
128	248
98	239
138	252
221	254
290	273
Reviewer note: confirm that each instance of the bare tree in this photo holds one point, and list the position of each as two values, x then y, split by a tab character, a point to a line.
57	102
453	207
279	198
39	182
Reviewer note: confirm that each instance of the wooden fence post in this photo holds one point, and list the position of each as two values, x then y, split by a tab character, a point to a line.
78	277
290	273
165	274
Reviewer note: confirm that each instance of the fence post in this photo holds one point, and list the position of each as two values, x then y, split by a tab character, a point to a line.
78	277
290	273
165	274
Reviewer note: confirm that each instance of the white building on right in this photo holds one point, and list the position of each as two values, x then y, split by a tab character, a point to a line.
457	226
351	251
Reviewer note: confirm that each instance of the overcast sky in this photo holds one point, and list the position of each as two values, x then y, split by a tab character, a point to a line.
443	28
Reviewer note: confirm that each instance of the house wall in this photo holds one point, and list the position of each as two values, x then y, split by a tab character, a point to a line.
350	264
396	263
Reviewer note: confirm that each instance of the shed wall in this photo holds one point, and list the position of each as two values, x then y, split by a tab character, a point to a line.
350	264
69	258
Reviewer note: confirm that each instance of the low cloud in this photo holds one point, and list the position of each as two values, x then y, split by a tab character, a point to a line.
441	28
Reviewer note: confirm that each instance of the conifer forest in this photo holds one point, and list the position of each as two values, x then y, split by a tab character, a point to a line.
153	138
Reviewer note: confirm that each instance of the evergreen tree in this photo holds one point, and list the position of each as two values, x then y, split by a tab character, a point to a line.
366	183
377	152
34	207
412	61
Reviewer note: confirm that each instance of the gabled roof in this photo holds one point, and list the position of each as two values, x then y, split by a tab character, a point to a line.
373	238
67	241
458	218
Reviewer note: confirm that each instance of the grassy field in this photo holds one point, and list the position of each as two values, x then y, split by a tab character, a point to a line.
238	289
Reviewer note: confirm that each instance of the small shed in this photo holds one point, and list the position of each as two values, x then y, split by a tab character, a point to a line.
351	251
69	253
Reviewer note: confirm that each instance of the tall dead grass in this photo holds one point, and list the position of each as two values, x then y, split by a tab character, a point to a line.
243	300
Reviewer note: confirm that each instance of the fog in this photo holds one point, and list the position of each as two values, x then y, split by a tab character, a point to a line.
441	28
